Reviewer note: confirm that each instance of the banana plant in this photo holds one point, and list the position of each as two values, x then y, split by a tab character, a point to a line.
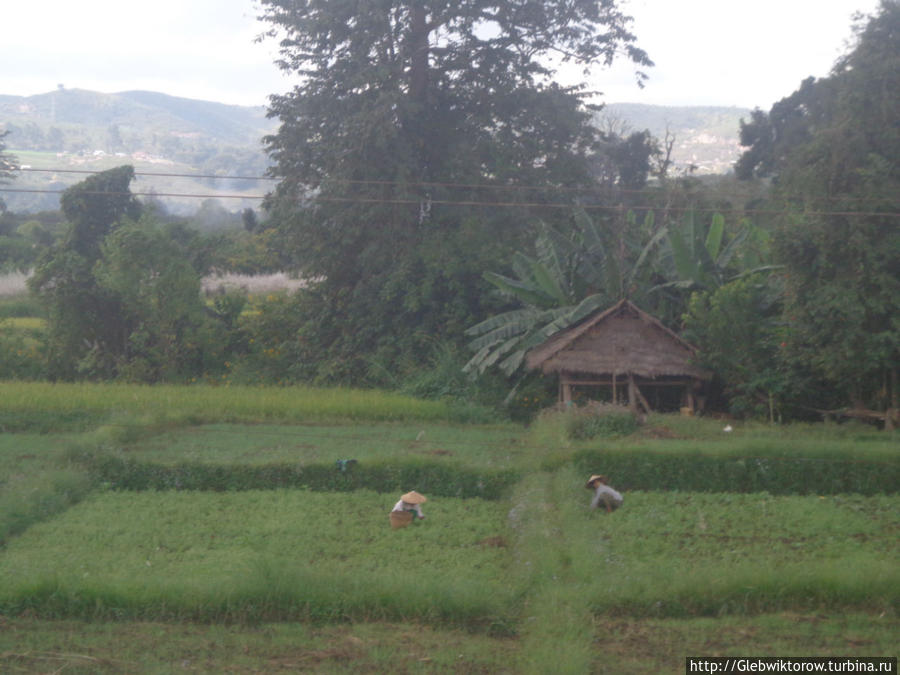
698	260
569	278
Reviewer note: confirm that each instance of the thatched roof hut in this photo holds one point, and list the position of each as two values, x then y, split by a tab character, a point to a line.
622	346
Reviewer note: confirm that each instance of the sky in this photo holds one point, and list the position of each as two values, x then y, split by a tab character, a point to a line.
707	52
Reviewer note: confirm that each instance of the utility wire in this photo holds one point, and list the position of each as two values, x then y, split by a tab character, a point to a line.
390	183
474	203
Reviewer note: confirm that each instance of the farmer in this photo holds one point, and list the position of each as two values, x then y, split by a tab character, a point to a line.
603	493
402	513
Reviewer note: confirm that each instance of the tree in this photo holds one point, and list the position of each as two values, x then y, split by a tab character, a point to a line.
84	325
161	311
94	206
831	149
738	330
122	294
8	163
409	110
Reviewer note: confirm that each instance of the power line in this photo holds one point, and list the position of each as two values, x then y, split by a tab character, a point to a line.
137	194
153	173
474	203
415	184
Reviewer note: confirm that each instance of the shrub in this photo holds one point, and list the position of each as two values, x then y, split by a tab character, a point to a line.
389	476
601	420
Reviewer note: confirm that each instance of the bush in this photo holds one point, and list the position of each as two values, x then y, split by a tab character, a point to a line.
440	480
601	420
635	469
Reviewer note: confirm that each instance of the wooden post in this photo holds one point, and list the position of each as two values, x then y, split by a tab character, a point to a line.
638	394
615	398
567	391
632	394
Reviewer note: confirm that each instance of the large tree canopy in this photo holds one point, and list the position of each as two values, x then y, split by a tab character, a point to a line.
832	149
430	89
410	122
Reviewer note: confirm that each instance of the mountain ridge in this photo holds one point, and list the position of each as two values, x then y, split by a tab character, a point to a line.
68	128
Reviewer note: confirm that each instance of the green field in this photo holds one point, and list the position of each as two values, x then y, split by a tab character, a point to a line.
285	562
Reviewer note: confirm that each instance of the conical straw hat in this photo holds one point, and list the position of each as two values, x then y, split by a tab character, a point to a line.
413	498
599	477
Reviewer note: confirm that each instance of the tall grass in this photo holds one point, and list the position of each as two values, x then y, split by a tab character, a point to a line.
46	406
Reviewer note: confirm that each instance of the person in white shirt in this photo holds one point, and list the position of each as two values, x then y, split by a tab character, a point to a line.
603	493
409	504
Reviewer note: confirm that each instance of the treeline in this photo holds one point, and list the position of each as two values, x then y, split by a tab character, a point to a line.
444	232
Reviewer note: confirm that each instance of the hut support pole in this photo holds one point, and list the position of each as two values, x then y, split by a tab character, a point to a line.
632	394
635	391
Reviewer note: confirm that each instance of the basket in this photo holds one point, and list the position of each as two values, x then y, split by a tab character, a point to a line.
400	519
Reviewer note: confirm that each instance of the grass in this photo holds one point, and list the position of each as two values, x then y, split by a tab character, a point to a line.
652	646
29	645
709	554
649	646
495	446
284	554
49	406
24	323
36	483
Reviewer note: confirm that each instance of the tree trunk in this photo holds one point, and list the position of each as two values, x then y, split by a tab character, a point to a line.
418	53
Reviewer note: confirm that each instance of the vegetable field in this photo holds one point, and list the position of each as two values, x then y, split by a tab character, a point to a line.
148	541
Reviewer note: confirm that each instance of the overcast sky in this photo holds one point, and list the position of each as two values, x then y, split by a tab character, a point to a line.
707	52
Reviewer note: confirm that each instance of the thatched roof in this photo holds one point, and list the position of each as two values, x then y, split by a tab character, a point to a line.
622	339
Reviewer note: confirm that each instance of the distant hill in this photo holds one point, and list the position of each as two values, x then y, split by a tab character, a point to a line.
158	133
706	137
76	129
139	115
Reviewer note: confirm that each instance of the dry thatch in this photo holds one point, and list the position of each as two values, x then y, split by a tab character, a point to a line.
620	340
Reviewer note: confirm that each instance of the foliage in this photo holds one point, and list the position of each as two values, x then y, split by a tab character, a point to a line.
573	276
387	476
405	121
831	147
704	257
123	294
160	307
21	351
600	421
635	469
738	330
83	319
8	163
